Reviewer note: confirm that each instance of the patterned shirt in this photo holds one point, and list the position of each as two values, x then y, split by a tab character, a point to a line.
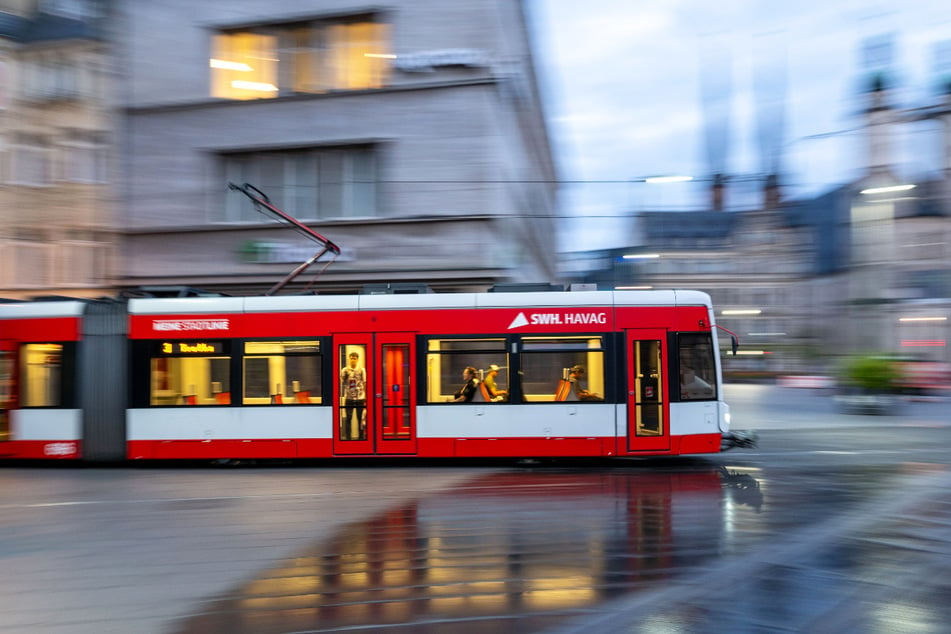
354	384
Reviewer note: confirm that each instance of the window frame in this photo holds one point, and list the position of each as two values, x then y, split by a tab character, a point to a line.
676	348
514	356
66	390
31	161
152	353
608	367
327	49
423	345
354	194
142	351
323	362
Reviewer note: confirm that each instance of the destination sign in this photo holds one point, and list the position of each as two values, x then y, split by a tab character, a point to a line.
191	347
180	325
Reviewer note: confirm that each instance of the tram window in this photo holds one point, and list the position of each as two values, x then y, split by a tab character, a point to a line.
446	360
282	372
547	363
41	382
698	372
190	380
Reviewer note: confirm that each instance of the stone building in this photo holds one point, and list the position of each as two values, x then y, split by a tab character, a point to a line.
757	266
411	133
861	268
58	228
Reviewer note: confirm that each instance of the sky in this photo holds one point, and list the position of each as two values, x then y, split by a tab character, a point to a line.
634	89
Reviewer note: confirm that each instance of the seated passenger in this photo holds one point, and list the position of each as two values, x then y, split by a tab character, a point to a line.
692	386
578	391
465	393
491	387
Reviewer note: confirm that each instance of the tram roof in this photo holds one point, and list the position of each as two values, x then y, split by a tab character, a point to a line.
324	303
41	309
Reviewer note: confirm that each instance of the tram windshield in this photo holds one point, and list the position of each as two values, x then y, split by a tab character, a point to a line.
698	370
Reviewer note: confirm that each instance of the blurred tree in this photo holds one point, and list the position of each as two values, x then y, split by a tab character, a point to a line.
872	373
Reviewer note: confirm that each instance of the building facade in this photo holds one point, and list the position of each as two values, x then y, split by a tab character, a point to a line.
410	133
864	268
757	266
58	223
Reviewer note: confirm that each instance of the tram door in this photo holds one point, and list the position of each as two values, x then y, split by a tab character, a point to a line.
648	425
7	393
375	408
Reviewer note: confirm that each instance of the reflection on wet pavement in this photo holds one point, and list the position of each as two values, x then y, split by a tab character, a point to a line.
508	552
882	565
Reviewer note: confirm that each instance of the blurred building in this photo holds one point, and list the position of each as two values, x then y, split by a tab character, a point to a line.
899	287
411	133
862	268
58	229
760	267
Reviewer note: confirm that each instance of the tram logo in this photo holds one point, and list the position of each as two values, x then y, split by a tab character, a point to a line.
518	321
558	319
60	449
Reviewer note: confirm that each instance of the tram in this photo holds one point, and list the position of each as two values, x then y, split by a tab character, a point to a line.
575	374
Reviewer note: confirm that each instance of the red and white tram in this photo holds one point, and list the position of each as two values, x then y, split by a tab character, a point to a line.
267	377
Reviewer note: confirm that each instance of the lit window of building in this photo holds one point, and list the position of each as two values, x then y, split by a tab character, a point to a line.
311	57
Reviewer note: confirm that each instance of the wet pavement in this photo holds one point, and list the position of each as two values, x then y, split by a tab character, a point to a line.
505	552
692	547
880	566
833	525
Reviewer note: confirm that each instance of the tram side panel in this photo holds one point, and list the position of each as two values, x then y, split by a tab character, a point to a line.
40	345
178	416
694	417
517	430
211	381
537	346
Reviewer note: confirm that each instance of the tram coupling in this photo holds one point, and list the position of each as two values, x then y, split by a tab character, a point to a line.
743	438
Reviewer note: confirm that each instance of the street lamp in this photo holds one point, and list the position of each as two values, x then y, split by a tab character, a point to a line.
886	190
668	179
657	180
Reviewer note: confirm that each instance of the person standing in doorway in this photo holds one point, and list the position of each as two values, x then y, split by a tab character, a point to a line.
353	381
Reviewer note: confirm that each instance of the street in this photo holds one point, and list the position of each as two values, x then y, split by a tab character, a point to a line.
834	523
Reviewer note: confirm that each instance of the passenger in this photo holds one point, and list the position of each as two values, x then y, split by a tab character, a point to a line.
465	393
692	386
354	389
579	391
495	394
